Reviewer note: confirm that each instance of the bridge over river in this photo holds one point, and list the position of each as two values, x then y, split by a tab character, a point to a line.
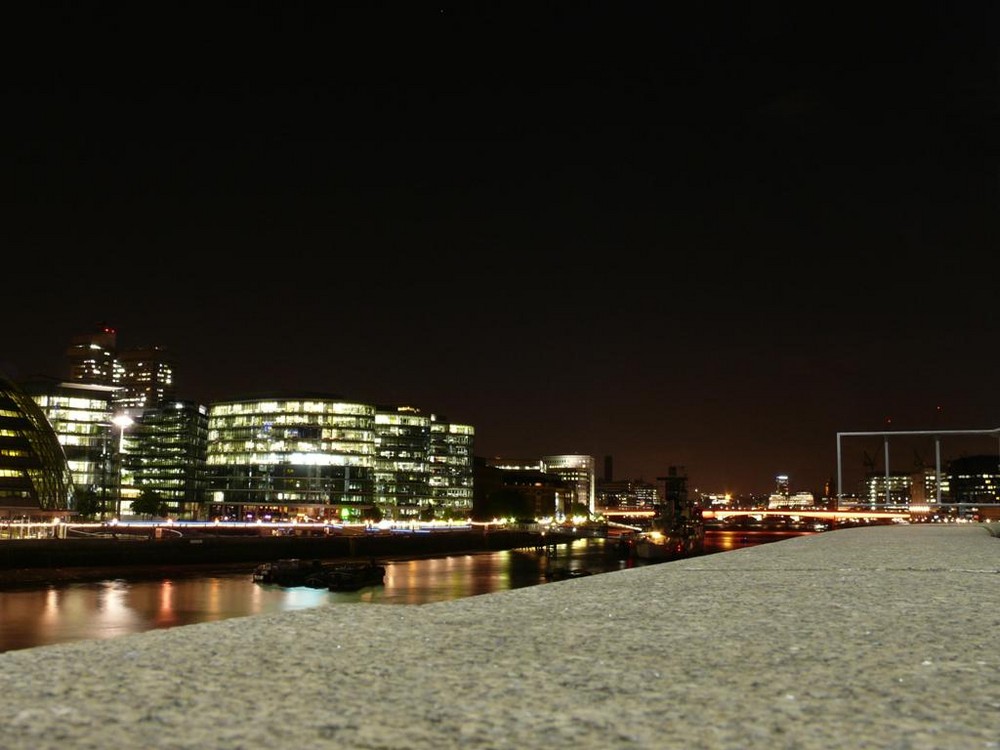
822	513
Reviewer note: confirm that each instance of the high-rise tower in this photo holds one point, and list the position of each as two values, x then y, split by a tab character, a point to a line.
92	357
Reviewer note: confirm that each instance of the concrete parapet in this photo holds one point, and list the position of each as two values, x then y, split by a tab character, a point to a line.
877	637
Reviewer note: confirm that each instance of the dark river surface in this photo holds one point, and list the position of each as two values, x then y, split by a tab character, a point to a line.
58	613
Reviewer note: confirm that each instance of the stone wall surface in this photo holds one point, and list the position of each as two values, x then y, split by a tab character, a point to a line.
877	637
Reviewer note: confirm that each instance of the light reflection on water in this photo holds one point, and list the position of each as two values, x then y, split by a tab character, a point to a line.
105	609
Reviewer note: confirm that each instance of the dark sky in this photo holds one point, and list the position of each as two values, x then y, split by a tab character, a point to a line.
710	237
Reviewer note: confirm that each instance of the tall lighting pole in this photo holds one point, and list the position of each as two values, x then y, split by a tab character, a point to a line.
122	422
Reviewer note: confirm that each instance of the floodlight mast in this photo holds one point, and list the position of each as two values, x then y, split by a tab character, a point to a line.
122	422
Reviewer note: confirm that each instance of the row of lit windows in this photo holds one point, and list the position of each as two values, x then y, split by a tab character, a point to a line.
283	420
384	418
272	459
291	407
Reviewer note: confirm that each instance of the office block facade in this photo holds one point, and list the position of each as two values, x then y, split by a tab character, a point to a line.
324	458
168	446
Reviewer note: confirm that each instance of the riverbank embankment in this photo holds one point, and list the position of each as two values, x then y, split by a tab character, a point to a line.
34	561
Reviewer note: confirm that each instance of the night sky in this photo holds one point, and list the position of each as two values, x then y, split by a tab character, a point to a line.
710	238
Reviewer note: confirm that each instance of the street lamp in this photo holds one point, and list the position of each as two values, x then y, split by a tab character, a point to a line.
122	422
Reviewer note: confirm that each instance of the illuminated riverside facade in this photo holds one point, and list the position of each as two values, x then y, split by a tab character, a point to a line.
967	480
402	471
626	495
451	462
326	458
80	416
162	450
167	447
574	471
577	471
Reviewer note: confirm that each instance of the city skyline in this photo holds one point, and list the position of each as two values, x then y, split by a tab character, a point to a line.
676	238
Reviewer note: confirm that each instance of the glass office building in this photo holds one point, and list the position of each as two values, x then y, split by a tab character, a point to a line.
451	460
577	471
402	473
80	415
168	445
328	459
310	457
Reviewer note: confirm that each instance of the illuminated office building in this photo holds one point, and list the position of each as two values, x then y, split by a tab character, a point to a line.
325	458
450	458
974	479
782	486
142	377
625	495
578	472
80	416
311	457
98	412
574	472
402	472
170	443
891	492
92	357
145	378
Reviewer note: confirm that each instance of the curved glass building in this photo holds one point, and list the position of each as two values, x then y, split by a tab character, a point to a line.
288	457
35	480
324	458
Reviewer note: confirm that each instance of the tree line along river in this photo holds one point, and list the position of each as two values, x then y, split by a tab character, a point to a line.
122	603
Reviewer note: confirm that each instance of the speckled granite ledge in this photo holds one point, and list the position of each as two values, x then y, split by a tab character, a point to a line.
881	637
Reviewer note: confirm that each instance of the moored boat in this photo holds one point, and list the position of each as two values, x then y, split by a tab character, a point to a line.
683	540
562	574
354	576
291	571
335	576
659	545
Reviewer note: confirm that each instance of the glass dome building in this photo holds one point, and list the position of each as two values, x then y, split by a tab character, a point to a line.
35	481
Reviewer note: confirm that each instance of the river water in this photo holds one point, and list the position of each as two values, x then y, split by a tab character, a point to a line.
104	609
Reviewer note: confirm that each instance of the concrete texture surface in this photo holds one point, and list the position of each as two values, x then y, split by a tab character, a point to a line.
878	637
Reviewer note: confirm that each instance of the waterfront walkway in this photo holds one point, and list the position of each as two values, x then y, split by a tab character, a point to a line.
877	637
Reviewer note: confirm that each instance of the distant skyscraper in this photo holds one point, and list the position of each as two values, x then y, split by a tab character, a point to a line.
146	378
92	357
782	485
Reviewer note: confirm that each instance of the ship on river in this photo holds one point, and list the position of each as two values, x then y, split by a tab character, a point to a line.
337	576
676	530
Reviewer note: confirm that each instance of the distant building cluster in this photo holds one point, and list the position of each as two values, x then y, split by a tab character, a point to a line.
126	437
112	440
